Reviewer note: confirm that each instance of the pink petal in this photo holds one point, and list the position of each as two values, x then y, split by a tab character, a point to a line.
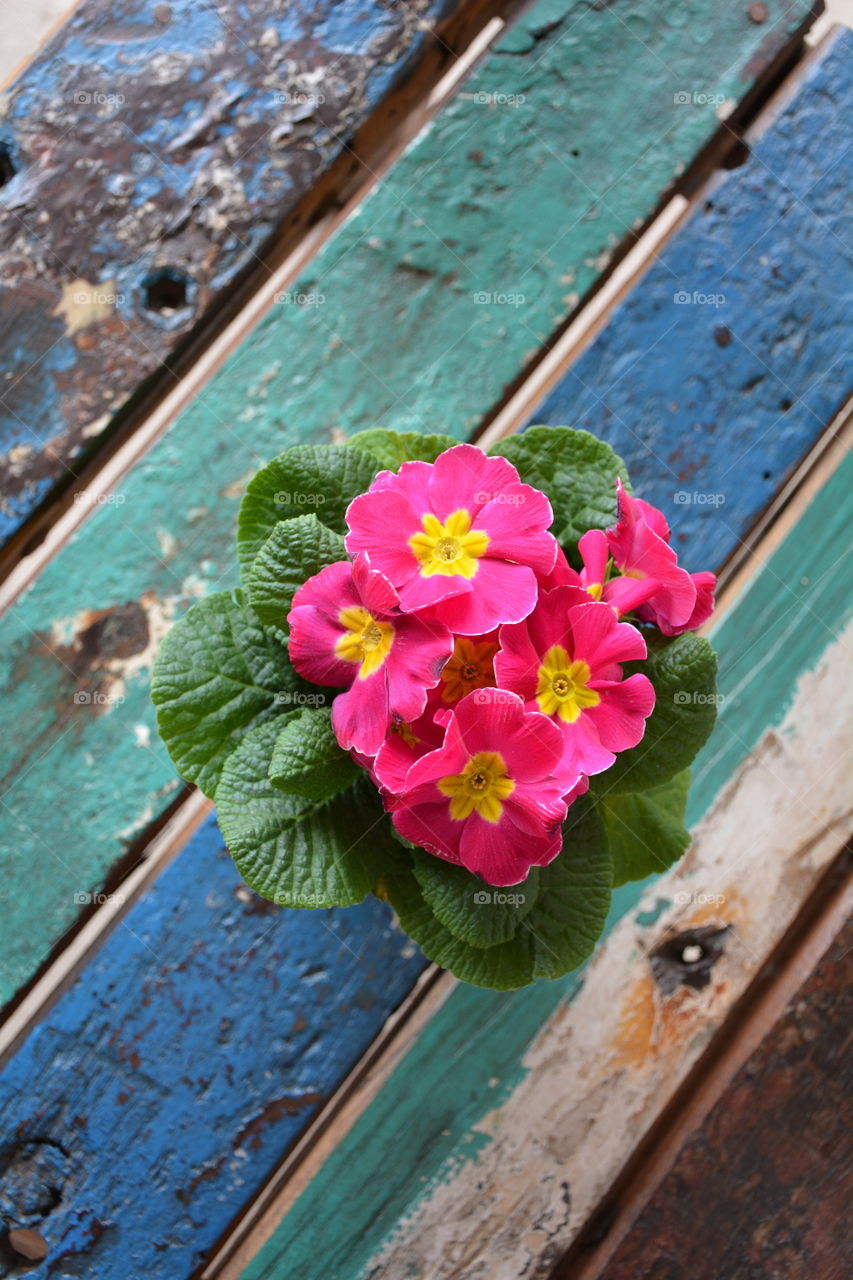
599	640
502	854
626	594
583	751
549	623
421	593
380	523
705	584
620	717
517	661
374	590
396	756
501	593
464	478
431	827
330	590
517	522
595	554
360	716
414	663
562	574
312	648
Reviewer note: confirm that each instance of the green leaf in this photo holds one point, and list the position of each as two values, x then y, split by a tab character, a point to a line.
645	830
553	937
574	896
299	852
683	671
218	674
319	479
294	551
577	471
392	448
306	759
502	967
477	913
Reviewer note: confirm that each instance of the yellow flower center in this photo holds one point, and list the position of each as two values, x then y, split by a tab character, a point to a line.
365	640
563	686
449	548
595	589
470	667
481	787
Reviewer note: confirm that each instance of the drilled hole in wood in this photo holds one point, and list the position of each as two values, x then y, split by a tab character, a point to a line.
8	168
165	292
687	958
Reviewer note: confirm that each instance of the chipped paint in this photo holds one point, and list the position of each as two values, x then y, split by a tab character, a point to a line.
192	131
577	1089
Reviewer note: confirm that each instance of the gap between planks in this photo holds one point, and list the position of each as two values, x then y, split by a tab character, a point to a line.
155	853
362	165
260	1218
752	1017
194	365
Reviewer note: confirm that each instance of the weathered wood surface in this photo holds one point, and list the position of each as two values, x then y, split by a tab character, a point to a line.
514	1112
577	110
168	1082
719	338
156	146
393	343
763	1189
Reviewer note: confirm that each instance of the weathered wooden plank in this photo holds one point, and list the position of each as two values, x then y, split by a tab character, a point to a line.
765	1182
192	182
718	338
521	1107
163	1087
155	148
393	343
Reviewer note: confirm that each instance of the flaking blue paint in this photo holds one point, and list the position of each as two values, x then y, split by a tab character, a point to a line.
715	404
122	193
180	1067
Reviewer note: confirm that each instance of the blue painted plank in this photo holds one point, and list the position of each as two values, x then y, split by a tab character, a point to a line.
156	147
185	1127
172	1077
726	362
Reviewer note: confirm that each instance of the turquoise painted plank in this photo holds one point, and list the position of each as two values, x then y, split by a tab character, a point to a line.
739	329
469	1057
185	134
169	1081
393	343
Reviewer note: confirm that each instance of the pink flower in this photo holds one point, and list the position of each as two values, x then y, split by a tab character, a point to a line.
404	744
564	661
460	537
624	594
346	630
493	796
639	544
